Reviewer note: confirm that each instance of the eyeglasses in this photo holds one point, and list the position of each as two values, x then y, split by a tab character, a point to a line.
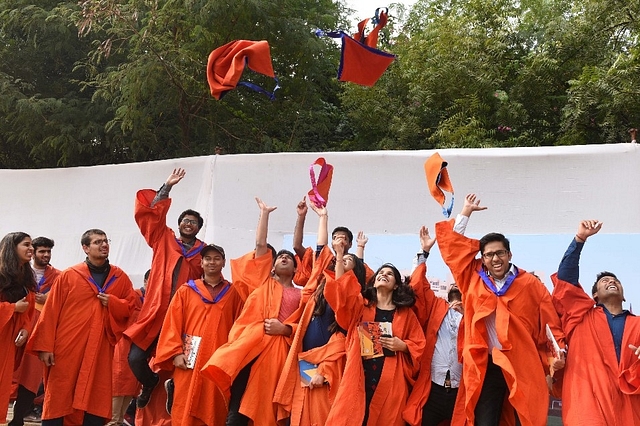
101	242
186	221
499	253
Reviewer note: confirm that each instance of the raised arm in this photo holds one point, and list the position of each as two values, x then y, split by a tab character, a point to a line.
361	241
339	244
163	193
263	227
323	235
298	232
471	204
569	269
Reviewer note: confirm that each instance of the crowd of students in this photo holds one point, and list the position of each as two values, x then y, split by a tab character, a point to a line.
311	336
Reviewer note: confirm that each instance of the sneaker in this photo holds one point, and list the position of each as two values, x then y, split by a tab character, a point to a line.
35	416
145	394
168	386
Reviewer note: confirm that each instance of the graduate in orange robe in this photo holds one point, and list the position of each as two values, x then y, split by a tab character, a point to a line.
28	376
260	339
86	312
17	287
174	262
125	385
374	390
318	342
202	313
506	311
434	313
601	381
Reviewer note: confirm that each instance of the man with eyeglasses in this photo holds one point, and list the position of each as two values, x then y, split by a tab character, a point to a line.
601	383
505	356
86	312
175	261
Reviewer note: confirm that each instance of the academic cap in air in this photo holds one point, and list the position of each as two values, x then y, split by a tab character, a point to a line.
435	169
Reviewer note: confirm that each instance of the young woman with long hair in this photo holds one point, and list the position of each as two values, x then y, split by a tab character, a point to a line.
374	387
17	301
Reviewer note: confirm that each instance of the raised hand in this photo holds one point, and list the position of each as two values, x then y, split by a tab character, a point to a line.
301	208
361	239
471	204
263	207
587	228
339	243
425	239
175	176
320	211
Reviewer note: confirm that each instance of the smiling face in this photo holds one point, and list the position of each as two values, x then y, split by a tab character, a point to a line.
188	227
42	257
496	258
212	263
24	250
608	288
385	280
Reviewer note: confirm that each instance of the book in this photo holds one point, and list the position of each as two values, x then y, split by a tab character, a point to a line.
370	333
553	343
190	347
307	371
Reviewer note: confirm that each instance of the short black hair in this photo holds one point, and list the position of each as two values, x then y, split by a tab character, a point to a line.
287	252
146	274
190	212
345	230
494	237
601	275
85	240
42	242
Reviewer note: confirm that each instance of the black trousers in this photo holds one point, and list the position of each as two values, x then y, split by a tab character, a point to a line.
89	420
239	385
494	389
139	363
24	403
439	406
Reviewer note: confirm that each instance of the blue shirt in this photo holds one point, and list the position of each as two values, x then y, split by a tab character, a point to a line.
569	271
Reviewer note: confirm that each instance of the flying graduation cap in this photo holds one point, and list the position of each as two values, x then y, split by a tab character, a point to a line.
361	62
435	169
319	193
227	63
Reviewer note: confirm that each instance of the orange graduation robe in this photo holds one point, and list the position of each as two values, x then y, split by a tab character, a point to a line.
597	390
31	370
168	254
81	333
197	401
307	406
521	315
124	382
10	324
398	372
248	341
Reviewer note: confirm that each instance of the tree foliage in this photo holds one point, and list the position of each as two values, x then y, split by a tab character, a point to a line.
106	81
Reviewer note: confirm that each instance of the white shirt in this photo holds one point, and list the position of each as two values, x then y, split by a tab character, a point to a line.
445	356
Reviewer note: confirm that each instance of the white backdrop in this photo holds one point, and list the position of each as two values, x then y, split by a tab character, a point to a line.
527	190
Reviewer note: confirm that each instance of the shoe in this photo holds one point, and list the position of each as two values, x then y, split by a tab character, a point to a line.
35	416
168	386
145	394
128	420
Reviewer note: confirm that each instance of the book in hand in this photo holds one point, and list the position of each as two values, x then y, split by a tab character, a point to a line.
370	333
307	371
190	347
553	343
